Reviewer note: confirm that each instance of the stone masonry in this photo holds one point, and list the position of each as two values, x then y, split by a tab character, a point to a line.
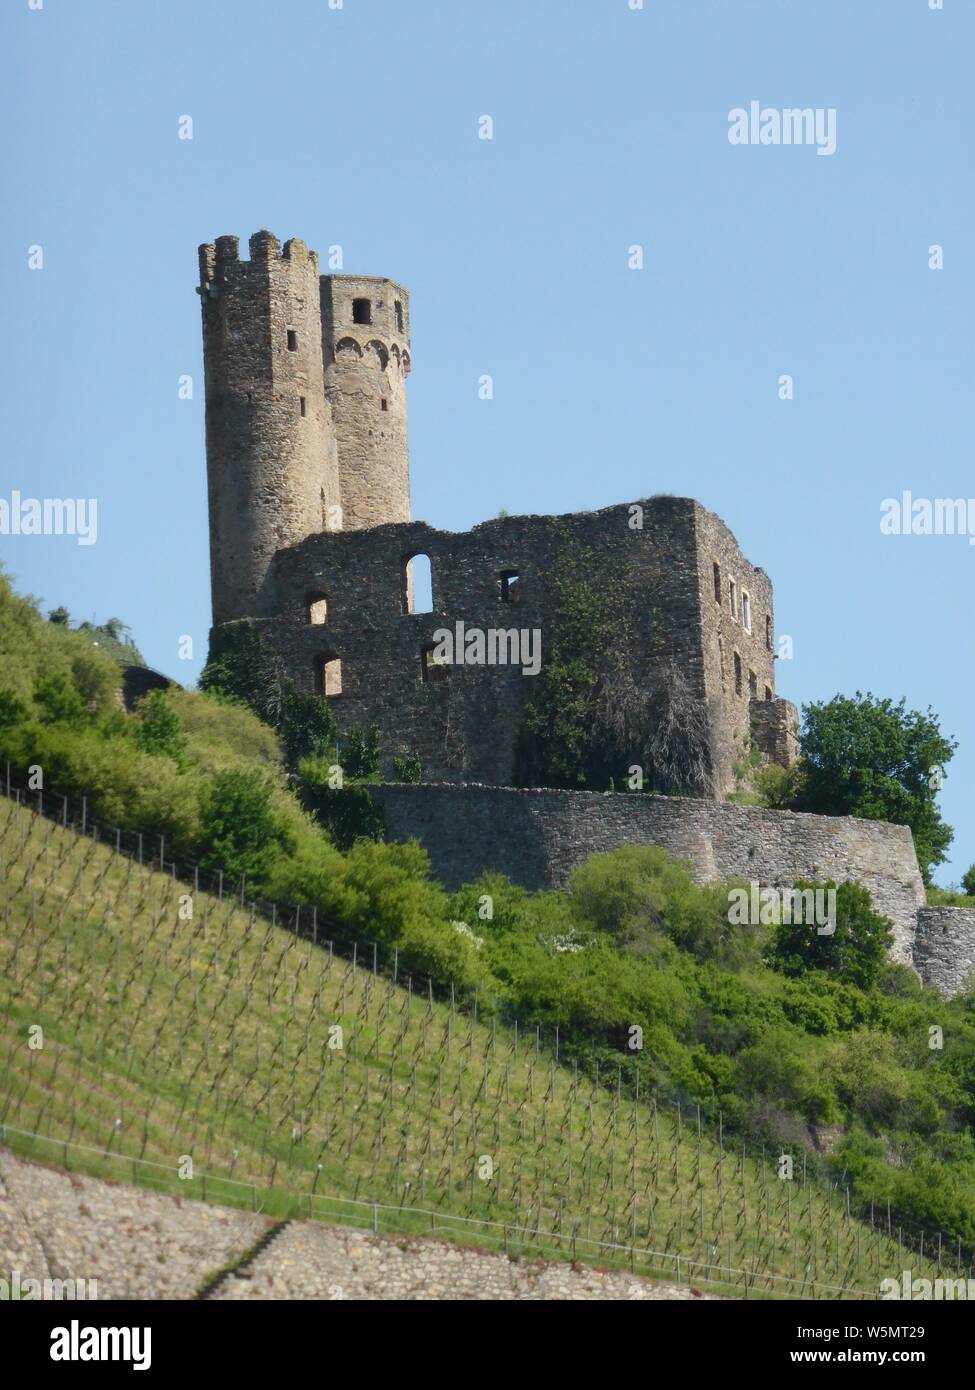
138	1244
537	837
944	947
311	538
312	542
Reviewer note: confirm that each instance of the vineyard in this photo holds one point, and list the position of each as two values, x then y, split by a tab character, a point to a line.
145	1020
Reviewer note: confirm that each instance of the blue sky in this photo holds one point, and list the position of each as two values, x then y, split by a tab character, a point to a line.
358	126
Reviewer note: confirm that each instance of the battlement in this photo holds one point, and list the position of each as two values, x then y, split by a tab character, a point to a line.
222	255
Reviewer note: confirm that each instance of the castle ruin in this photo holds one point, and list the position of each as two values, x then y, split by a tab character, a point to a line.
311	541
312	545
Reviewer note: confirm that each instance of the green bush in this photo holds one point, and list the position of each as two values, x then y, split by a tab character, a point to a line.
158	730
855	951
239	833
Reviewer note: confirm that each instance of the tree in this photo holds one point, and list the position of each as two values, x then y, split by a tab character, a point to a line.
854	951
158	730
59	616
968	880
58	702
13	711
867	757
238	830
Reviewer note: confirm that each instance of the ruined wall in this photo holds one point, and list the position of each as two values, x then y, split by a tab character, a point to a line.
366	366
271	460
944	947
464	725
736	638
537	837
774	730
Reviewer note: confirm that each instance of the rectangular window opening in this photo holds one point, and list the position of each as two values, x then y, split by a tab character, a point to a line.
362	311
292	340
328	671
301	405
399	317
509	586
433	670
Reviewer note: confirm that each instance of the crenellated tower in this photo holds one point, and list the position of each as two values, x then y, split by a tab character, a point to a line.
366	352
272	463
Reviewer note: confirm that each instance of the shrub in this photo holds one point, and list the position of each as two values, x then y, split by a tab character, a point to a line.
57	701
855	951
158	730
239	832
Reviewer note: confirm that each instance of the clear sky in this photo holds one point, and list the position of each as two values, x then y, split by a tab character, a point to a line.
358	126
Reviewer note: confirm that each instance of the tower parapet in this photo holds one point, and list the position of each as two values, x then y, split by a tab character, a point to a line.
272	468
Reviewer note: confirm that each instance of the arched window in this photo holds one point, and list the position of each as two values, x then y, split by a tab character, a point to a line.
416	583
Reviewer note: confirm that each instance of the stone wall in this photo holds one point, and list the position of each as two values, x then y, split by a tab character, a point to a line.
272	468
944	947
537	837
327	1262
774	730
504	574
736	622
137	1244
132	1242
366	366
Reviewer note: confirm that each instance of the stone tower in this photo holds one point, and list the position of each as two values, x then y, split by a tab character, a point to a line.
365	349
272	465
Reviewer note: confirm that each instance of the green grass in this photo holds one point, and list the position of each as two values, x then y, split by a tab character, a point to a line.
208	1036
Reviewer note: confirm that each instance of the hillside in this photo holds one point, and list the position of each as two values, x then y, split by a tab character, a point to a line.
178	1025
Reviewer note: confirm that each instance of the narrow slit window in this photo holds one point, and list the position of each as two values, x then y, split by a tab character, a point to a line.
384	403
301	406
737	674
292	340
717	583
399	316
362	311
768	633
753	685
746	611
733	599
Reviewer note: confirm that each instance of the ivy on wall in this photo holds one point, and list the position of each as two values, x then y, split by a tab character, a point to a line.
609	697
